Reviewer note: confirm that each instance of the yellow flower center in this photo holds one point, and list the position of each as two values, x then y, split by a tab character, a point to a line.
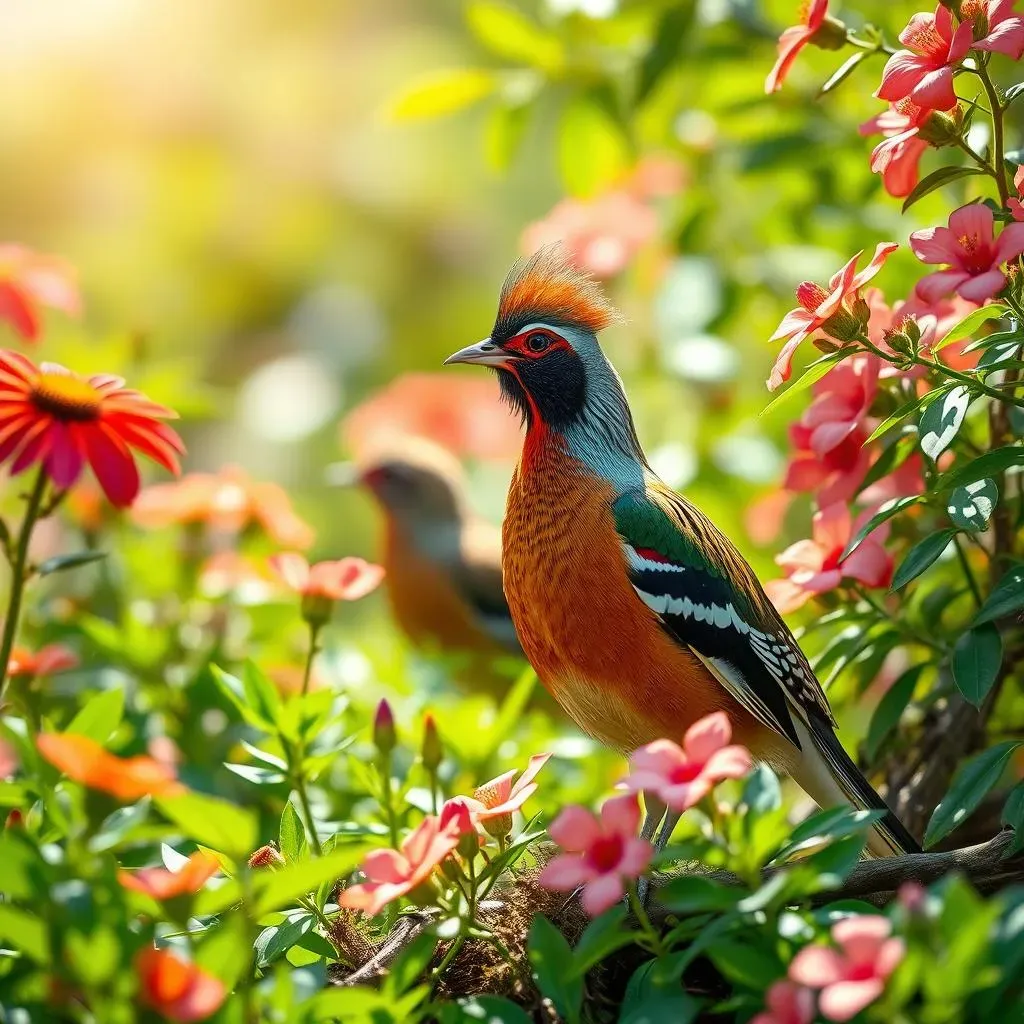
969	243
925	39
66	397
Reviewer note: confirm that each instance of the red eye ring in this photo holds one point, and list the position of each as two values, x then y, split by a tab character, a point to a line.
536	342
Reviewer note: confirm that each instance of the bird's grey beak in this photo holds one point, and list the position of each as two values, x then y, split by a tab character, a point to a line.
342	474
484	353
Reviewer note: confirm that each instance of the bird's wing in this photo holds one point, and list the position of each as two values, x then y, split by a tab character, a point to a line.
477	577
708	599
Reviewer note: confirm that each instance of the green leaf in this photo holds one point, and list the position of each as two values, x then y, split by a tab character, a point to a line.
1001	356
970	323
503	135
969	787
507	32
605	934
411	964
276	889
890	708
692	894
993	339
592	151
822	826
291	837
659	1008
1006	597
976	660
100	716
843	71
260	693
552	964
941	421
482	1010
906	409
273	942
892	457
61	563
24	931
1012	93
884	514
810	376
213	822
670	38
440	93
744	964
943	176
987	465
971	507
119	824
920	556
234	690
1013	816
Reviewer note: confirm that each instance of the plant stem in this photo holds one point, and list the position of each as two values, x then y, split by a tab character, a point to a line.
453	952
310	905
971	382
650	933
307	810
998	144
977	158
35	500
968	574
314	633
388	798
905	628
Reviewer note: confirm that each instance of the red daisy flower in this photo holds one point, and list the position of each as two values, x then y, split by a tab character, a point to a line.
57	418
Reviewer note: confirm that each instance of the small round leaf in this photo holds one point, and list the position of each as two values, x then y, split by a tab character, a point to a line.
970	507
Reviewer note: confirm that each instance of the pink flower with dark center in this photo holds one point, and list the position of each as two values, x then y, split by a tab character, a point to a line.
972	253
853	976
832	476
923	73
841	402
786	1003
30	280
682	776
816	566
494	802
793	40
897	158
345	580
996	27
602	853
826	310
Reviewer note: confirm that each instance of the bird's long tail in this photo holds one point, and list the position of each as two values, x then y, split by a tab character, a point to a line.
834	778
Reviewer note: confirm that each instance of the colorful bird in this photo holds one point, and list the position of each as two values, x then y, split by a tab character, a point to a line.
638	614
442	562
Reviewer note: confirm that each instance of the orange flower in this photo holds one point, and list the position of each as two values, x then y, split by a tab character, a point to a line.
163	885
29	280
85	761
492	803
228	501
47	661
345	580
55	417
177	989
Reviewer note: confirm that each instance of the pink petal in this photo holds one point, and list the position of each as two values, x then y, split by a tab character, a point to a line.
832	527
706	735
973	219
935	89
636	857
292	568
113	465
729	763
840	284
804	554
621	815
602	894
870	564
564	872
831	435
795	321
575	829
1007	38
901	176
983	287
661	757
937	245
932	287
791	42
817	966
683	795
861	936
385	866
18	311
786	596
845	999
782	369
67	455
1010	244
882	252
889	957
900	75
963	40
536	763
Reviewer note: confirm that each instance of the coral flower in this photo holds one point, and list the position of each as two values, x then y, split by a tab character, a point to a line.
493	803
164	885
825	309
602	853
897	157
227	501
179	990
682	776
29	280
794	39
390	873
996	27
853	976
1015	205
923	73
8	759
973	254
816	566
85	761
53	416
47	661
345	580
786	1003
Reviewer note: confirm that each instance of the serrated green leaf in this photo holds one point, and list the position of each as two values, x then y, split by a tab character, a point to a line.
988	465
970	323
943	176
920	556
1006	597
976	660
971	507
969	788
890	708
884	514
941	421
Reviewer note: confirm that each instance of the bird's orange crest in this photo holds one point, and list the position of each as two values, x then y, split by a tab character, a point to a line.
547	287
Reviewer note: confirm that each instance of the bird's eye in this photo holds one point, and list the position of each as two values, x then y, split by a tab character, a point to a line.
538	342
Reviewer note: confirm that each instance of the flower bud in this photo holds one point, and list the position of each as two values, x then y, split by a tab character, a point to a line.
903	337
316	609
844	325
432	751
942	129
498	826
831	35
266	857
15	819
424	895
826	346
384	738
469	845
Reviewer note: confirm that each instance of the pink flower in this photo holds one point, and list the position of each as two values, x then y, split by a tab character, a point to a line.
1015	205
392	873
827	310
841	402
601	235
834	475
786	1003
898	156
601	853
345	580
995	25
682	776
816	566
854	976
164	885
8	760
29	280
924	72
47	661
973	255
793	40
494	802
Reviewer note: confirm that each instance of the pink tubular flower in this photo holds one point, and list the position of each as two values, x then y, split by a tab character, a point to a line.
973	254
601	852
495	801
786	1003
833	475
841	402
682	776
390	873
345	580
853	976
1015	205
924	72
29	280
793	40
826	310
897	157
816	566
996	27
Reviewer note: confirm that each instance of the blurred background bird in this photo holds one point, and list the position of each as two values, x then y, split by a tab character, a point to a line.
638	614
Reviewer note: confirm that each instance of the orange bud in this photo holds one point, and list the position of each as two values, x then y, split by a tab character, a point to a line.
266	857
